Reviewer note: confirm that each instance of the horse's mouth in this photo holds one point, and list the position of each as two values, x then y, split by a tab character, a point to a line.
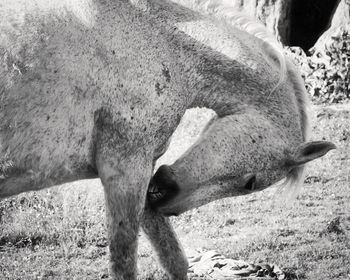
154	194
162	188
159	197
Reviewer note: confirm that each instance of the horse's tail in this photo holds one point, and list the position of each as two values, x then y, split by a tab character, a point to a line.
244	22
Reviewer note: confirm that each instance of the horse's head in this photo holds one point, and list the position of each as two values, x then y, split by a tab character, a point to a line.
230	162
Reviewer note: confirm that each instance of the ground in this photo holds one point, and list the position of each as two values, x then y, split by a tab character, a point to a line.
60	233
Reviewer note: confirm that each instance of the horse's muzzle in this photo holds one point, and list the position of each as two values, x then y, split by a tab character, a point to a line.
162	188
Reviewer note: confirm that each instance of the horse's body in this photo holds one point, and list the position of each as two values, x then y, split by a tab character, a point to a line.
96	88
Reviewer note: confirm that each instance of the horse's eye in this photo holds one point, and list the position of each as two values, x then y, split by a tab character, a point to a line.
251	184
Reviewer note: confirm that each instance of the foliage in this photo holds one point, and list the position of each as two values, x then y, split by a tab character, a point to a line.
5	165
325	72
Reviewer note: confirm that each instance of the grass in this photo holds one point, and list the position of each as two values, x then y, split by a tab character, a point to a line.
60	233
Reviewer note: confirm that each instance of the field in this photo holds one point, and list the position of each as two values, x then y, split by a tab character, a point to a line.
60	233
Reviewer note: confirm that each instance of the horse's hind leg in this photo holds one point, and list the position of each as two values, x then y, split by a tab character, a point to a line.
163	238
125	184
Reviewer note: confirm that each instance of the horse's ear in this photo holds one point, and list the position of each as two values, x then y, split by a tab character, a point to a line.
310	151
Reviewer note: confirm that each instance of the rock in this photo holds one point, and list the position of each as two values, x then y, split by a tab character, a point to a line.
340	21
274	14
333	227
230	222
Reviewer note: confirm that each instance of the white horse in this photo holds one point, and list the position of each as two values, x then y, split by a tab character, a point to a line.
95	88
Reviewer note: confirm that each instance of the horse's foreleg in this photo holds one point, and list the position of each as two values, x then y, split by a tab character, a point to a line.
163	238
125	184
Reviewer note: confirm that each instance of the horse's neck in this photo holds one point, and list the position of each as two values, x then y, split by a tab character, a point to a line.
216	59
228	66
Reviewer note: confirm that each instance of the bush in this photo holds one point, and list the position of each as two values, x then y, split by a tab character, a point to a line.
325	71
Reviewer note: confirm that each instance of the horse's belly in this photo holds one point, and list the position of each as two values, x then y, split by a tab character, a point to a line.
46	139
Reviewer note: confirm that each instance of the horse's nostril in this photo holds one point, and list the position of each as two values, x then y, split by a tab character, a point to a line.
171	214
154	194
153	188
153	197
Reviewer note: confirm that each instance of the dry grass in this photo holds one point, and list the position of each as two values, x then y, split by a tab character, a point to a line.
60	233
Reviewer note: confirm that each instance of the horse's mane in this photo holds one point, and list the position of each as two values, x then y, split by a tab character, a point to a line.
301	97
221	10
291	187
